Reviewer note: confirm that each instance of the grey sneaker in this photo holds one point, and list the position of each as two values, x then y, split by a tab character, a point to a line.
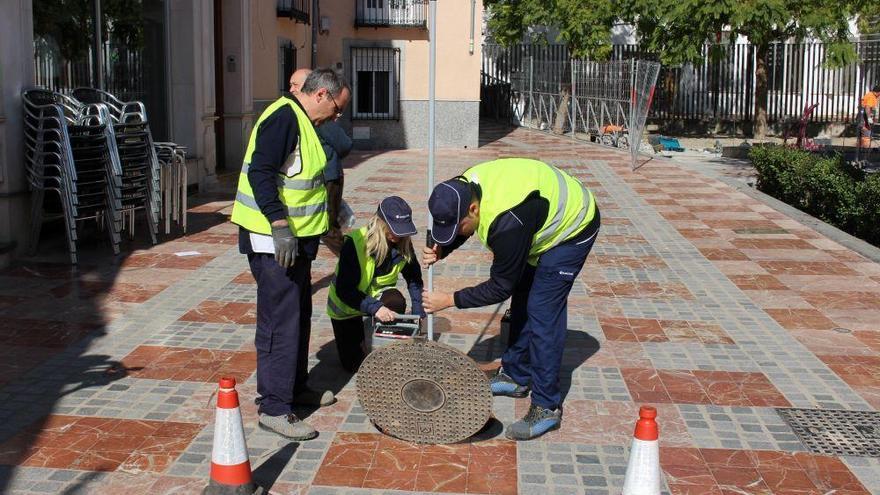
316	398
536	422
502	384
288	426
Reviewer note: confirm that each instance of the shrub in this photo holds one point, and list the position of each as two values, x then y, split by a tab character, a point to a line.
823	186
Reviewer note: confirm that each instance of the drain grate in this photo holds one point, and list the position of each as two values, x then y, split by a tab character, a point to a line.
834	432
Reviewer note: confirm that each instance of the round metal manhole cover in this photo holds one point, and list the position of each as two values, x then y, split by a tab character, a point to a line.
424	392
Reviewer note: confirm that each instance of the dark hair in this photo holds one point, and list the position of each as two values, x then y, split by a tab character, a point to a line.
876	88
393	300
324	78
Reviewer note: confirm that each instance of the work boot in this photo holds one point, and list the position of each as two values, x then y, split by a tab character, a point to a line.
315	398
536	422
288	426
501	384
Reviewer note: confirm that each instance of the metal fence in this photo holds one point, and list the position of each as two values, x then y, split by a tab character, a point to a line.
600	101
720	88
123	71
391	13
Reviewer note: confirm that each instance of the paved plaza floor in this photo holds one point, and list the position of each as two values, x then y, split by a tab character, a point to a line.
697	298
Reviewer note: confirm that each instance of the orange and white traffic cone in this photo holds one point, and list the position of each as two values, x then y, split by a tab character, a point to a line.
643	471
230	465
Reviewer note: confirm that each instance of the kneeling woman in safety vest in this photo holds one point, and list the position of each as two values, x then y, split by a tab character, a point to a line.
370	262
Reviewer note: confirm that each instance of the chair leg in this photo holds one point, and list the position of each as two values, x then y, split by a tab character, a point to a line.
36	219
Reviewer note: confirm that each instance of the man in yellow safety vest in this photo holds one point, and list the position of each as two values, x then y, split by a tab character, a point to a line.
540	224
281	209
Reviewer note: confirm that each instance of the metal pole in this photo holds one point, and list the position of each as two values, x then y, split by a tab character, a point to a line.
473	20
573	103
531	90
432	62
98	47
315	20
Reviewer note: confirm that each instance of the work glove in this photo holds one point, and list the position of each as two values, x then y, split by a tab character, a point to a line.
285	246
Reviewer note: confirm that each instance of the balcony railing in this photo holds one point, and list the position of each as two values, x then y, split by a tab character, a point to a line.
294	9
391	13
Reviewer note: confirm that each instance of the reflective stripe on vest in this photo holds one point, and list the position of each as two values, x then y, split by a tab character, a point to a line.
507	182
304	195
369	285
300	184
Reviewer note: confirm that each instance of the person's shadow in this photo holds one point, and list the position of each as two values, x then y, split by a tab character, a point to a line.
327	374
579	347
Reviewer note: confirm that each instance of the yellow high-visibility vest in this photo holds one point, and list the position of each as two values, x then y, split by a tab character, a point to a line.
303	194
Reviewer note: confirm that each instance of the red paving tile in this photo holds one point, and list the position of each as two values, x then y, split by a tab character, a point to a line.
223	312
844	300
195	365
244	278
208	237
863	371
619	239
638	262
801	319
724	254
370	460
806	268
650	290
693	471
99	444
694	331
122	292
720	388
43	333
16	360
166	260
757	282
469	322
632	330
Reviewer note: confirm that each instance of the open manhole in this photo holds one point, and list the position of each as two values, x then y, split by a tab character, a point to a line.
835	432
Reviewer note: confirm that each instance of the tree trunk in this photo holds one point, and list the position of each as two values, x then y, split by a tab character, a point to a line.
562	111
761	89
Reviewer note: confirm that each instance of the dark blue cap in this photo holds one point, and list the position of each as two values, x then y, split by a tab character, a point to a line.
448	204
398	215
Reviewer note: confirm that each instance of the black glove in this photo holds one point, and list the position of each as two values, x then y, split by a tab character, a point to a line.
285	246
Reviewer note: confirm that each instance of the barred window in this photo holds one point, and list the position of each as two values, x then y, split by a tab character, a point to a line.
294	9
375	83
286	63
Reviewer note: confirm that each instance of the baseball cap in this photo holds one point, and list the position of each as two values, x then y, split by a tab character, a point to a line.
448	204
398	215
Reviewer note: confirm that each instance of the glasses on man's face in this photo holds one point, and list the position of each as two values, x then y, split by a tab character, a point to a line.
335	106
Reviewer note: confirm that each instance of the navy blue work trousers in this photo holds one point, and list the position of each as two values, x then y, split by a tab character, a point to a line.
539	320
284	316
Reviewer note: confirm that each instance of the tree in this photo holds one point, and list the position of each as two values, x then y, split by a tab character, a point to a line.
585	26
677	30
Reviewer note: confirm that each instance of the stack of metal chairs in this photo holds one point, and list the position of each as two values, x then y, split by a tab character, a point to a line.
137	156
143	172
70	150
169	179
172	183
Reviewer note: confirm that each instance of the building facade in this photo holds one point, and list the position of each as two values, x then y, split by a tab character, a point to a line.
205	69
